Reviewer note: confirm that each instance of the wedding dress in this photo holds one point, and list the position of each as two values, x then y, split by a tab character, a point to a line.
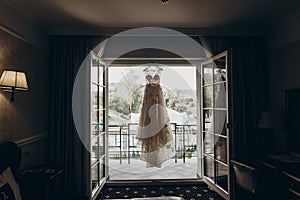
154	130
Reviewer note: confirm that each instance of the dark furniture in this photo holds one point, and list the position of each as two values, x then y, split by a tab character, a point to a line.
253	181
292	113
285	167
10	156
287	170
35	184
41	184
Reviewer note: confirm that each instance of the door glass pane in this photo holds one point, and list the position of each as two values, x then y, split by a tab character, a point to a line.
208	121
101	144
208	97
102	168
95	177
208	144
94	96
219	70
221	149
222	175
220	122
101	105
101	109
209	167
101	75
94	127
220	95
95	149
101	122
94	72
95	109
207	74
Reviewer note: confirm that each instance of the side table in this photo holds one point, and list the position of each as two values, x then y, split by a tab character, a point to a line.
41	183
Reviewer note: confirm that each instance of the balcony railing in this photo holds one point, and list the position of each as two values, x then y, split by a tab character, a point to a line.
123	144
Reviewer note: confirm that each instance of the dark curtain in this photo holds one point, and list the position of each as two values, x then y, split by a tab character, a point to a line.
66	151
247	92
247	89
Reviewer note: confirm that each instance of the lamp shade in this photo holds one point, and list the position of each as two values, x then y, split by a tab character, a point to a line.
13	80
270	121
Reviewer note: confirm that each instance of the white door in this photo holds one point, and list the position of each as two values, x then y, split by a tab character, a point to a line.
98	134
213	120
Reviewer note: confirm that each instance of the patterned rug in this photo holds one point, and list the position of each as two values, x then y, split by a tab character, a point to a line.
187	192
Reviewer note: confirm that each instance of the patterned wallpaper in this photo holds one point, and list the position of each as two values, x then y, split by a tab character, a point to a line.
28	115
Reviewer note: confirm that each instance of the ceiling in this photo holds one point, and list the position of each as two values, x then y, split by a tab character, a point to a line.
140	13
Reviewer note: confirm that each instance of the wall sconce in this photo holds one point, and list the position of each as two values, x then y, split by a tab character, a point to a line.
13	80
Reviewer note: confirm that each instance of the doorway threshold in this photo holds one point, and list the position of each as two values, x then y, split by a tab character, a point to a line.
154	182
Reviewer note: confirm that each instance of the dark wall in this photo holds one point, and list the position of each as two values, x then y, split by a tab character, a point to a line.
283	70
284	73
28	114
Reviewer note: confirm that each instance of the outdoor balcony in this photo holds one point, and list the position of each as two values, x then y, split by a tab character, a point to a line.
124	155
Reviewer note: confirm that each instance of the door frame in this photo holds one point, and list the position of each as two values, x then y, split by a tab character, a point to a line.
141	61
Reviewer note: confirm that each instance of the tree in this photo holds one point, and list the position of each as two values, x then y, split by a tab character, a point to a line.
136	102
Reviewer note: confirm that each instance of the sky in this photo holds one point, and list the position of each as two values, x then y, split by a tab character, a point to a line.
171	77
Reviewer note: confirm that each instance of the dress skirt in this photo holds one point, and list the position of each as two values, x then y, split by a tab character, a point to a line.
154	130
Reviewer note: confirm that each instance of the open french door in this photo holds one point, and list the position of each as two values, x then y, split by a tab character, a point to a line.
214	137
98	127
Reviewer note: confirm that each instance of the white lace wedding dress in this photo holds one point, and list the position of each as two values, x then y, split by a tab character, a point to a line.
154	130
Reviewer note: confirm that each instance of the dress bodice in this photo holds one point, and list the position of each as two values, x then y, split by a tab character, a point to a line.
153	79
152	74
